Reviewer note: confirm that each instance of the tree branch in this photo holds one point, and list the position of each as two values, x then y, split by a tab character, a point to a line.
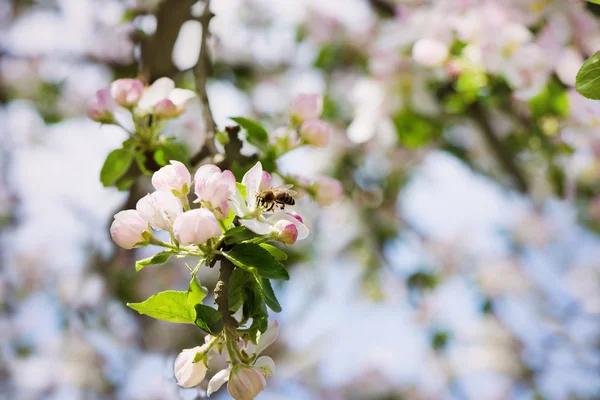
158	48
202	72
502	154
222	293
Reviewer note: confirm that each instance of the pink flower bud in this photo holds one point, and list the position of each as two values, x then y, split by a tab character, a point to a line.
187	372
265	182
128	229
285	232
174	177
296	215
245	383
99	114
327	190
316	132
102	109
306	106
126	92
213	186
166	109
160	209
430	53
196	226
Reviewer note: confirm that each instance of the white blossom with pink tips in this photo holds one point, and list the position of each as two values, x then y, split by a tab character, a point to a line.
306	106
251	213
164	99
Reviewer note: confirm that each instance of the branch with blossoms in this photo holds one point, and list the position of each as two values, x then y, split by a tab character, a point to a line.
239	226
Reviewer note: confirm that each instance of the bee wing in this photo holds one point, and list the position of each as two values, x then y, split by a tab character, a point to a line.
283	187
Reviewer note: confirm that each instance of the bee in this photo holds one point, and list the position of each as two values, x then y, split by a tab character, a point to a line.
281	195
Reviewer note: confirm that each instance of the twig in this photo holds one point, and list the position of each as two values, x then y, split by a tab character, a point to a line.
222	293
502	154
202	72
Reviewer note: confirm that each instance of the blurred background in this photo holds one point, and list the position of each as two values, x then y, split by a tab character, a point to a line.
462	263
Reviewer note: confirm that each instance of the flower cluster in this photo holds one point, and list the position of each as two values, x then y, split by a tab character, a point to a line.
162	99
217	194
305	126
245	377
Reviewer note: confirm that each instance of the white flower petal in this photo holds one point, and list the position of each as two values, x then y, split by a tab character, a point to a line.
238	204
266	365
302	229
262	228
181	96
158	91
252	180
218	380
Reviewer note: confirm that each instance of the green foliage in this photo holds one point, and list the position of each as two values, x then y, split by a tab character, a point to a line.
267	293
238	280
170	306
551	101
253	258
196	292
158	258
238	234
422	280
588	77
116	165
170	150
279	255
415	130
208	319
440	340
257	134
241	188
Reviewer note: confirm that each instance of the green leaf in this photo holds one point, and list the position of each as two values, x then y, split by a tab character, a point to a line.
158	258
170	305
238	279
229	220
238	234
268	294
171	151
140	159
275	252
588	78
242	189
255	259
551	101
257	134
208	319
415	130
116	165
196	292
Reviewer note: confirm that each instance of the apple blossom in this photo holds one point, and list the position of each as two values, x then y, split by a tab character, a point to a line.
218	380
296	215
306	106
265	365
327	190
316	132
430	53
160	209
214	187
265	182
190	366
196	226
129	229
155	98
285	232
126	92
174	177
267	338
102	110
245	383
